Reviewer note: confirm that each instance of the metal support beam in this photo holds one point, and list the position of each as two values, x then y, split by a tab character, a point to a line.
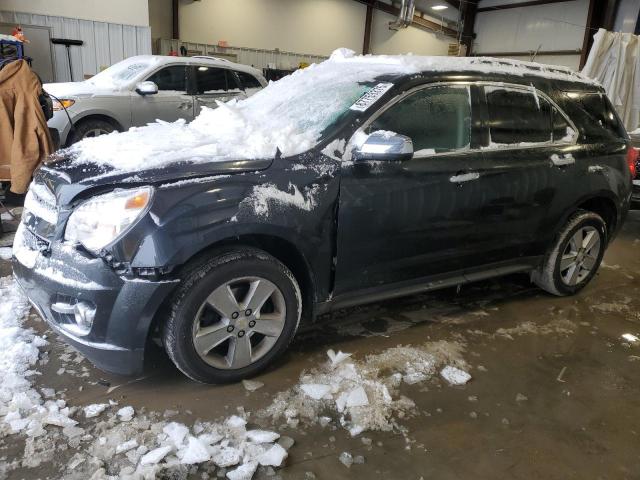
520	5
175	19
453	3
469	10
602	14
418	21
366	45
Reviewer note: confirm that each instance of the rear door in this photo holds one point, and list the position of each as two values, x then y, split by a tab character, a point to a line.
214	84
172	102
527	164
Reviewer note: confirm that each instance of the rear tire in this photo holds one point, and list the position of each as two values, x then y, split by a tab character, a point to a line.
575	256
219	328
92	127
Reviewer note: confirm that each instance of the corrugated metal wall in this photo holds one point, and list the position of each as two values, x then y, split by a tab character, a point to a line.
256	57
104	43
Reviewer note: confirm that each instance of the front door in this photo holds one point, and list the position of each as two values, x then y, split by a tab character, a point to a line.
400	221
172	102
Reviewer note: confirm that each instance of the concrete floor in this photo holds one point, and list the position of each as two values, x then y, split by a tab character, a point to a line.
549	399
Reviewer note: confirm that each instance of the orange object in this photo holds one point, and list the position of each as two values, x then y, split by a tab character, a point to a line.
19	34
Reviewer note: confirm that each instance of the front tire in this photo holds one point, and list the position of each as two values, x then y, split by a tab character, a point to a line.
233	315
575	256
90	128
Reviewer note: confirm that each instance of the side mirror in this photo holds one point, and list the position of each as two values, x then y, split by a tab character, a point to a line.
384	146
146	88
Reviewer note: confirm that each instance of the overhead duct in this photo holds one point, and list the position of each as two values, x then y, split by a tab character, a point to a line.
405	16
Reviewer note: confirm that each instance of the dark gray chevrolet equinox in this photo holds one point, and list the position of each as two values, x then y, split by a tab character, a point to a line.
352	181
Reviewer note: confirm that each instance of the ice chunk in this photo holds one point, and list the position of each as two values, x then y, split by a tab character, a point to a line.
337	358
226	456
154	456
59	419
357	398
125	414
315	390
176	433
195	452
346	459
286	442
243	472
273	457
235	421
454	375
94	409
262	436
252	385
630	337
126	446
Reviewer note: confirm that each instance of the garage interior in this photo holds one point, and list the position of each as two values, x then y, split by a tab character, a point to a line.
554	388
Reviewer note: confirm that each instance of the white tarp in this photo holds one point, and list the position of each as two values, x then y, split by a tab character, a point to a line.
614	61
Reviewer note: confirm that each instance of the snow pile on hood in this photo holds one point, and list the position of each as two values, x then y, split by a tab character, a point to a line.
289	115
365	394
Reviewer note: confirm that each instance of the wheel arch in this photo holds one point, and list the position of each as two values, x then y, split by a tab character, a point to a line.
94	116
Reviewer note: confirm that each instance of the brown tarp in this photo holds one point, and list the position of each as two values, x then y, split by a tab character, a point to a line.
24	136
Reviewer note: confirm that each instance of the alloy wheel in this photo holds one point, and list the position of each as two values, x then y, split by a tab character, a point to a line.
95	132
239	322
580	255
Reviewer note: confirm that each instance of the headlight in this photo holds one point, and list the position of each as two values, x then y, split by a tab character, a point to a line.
63	103
103	219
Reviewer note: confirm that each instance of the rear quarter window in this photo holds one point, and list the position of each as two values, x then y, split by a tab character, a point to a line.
595	117
248	81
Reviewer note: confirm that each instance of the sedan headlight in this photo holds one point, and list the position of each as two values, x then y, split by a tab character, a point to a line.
104	218
63	103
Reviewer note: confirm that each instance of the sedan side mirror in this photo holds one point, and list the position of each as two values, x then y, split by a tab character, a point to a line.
384	146
146	88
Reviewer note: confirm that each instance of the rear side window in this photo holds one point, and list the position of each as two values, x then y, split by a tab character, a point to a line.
437	119
518	116
212	80
172	78
248	81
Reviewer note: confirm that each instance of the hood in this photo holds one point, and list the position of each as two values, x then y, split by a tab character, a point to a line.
68	179
76	89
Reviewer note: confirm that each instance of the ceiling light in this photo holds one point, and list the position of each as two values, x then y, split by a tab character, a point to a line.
439	7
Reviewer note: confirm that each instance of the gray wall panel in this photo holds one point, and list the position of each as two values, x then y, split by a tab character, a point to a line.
104	43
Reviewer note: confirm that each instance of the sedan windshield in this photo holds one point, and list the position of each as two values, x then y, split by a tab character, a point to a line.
120	74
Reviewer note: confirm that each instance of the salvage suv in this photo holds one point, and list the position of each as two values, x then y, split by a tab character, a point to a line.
356	180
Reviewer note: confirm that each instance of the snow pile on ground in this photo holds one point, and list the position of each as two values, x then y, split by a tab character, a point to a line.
365	394
289	115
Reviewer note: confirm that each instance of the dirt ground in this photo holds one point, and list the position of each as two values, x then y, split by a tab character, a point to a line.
555	392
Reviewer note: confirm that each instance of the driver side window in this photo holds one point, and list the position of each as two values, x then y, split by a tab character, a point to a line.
437	119
172	78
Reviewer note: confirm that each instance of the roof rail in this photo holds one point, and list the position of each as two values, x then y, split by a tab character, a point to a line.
209	57
531	66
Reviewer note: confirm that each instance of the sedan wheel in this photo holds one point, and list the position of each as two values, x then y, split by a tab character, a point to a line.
239	322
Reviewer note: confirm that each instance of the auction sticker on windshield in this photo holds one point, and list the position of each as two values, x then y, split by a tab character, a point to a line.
371	97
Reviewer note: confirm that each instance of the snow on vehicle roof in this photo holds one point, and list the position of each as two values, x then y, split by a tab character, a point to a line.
290	114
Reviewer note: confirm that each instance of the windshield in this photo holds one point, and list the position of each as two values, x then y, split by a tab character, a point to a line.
292	116
121	73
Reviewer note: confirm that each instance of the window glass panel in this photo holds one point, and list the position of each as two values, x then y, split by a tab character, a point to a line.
562	131
211	80
173	78
601	123
248	80
517	116
437	119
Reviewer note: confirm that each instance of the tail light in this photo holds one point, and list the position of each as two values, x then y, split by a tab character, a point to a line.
632	159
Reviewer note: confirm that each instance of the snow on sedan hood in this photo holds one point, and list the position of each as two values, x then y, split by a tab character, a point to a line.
289	115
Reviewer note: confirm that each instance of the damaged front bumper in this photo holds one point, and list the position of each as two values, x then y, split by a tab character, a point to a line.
103	315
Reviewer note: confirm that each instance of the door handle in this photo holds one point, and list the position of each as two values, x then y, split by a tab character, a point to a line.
462	177
562	161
